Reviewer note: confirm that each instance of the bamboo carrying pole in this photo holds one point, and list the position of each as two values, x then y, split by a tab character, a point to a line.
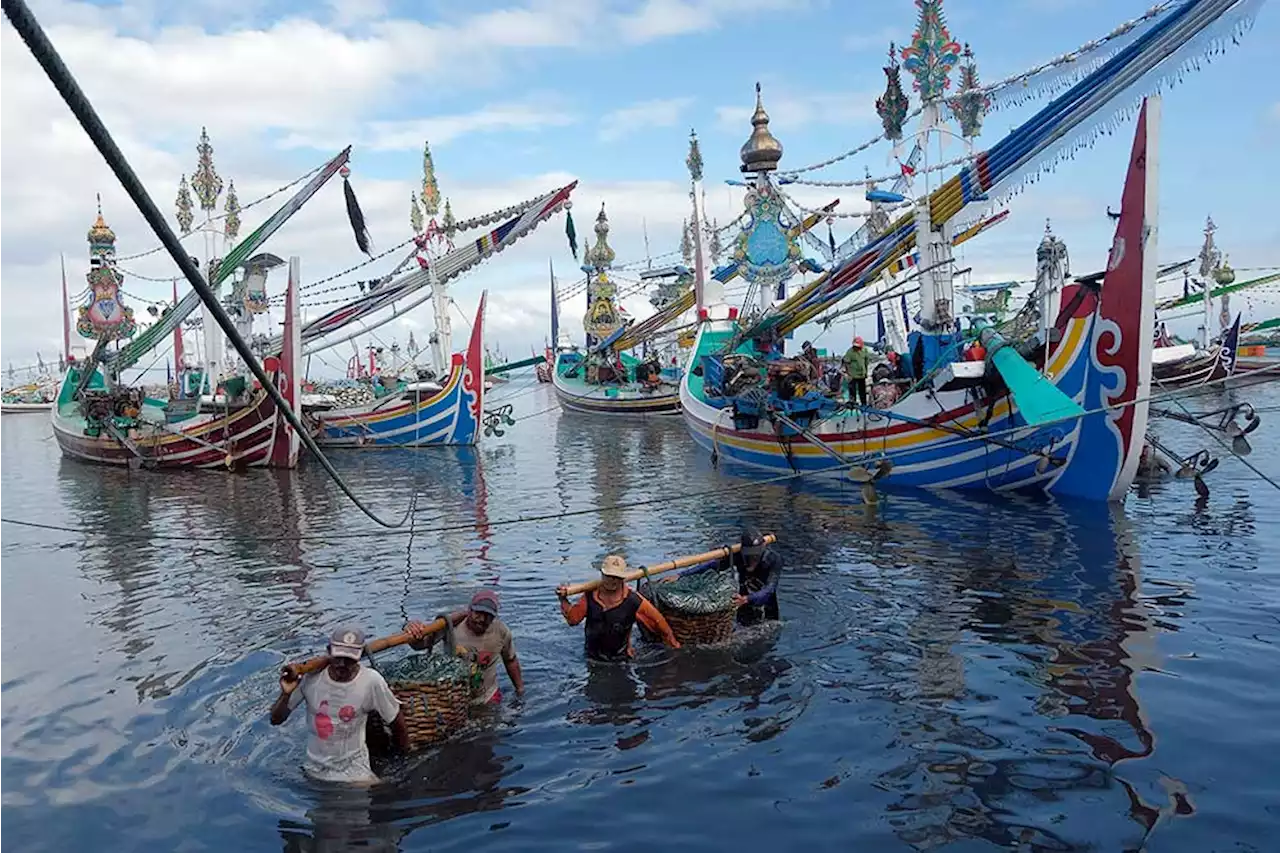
678	563
297	670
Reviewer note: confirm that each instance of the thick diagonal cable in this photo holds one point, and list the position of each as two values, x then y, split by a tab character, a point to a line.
42	49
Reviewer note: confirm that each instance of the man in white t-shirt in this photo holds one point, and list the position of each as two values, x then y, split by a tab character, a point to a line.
339	699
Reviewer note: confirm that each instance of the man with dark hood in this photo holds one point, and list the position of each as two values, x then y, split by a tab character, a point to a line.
759	567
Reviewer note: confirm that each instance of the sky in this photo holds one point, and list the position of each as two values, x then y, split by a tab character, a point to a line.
517	97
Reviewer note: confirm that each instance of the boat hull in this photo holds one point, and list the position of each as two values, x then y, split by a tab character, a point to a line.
19	408
626	400
450	416
243	438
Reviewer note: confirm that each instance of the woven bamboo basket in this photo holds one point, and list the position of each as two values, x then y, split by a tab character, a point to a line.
696	628
699	608
435	707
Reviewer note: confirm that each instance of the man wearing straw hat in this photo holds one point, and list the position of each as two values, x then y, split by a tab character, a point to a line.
339	699
485	638
611	611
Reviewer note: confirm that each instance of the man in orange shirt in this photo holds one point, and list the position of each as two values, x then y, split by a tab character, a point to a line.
611	611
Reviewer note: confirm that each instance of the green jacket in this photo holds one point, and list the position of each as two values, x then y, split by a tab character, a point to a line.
855	362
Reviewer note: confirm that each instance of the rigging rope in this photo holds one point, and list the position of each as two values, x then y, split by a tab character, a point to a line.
221	216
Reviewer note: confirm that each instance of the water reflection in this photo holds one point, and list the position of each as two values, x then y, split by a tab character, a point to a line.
1056	601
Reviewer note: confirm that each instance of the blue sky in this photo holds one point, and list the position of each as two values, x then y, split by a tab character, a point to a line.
516	97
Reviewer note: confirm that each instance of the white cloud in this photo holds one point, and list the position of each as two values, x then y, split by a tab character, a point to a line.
665	18
662	112
796	111
408	134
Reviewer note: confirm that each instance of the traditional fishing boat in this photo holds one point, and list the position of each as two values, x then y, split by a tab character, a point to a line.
1064	411
1186	365
35	396
603	378
446	407
420	413
216	415
97	419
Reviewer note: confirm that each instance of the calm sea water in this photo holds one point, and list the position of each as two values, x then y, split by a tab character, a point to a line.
954	672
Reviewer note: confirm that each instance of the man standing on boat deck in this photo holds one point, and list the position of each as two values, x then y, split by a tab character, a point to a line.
611	611
759	567
339	699
855	368
486	638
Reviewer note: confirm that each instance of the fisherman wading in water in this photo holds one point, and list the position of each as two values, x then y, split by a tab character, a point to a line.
611	611
486	638
759	568
339	699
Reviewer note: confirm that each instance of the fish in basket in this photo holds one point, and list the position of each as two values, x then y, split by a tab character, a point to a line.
435	698
698	607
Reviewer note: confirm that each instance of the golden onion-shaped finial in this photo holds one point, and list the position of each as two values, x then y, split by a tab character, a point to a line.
762	150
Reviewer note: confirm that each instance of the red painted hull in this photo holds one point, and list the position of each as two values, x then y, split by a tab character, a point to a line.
245	438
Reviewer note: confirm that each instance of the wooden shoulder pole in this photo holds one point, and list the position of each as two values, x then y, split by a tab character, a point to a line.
670	566
316	664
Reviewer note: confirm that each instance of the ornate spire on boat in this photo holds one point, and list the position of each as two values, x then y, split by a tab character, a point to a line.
430	189
102	240
415	214
686	242
601	255
449	222
694	160
762	151
205	182
971	105
231	225
603	317
184	215
932	52
104	316
892	105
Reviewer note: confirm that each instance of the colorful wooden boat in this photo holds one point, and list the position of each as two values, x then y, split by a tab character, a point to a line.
576	394
420	414
601	379
122	426
1101	362
1197	367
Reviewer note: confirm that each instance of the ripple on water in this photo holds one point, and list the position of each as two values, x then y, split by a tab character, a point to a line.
952	671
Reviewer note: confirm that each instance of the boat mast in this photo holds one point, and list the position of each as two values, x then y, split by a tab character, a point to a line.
929	58
66	315
1209	258
708	290
207	186
1052	269
441	339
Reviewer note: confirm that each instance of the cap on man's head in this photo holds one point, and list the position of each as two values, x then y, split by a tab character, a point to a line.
752	542
346	643
485	601
614	566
